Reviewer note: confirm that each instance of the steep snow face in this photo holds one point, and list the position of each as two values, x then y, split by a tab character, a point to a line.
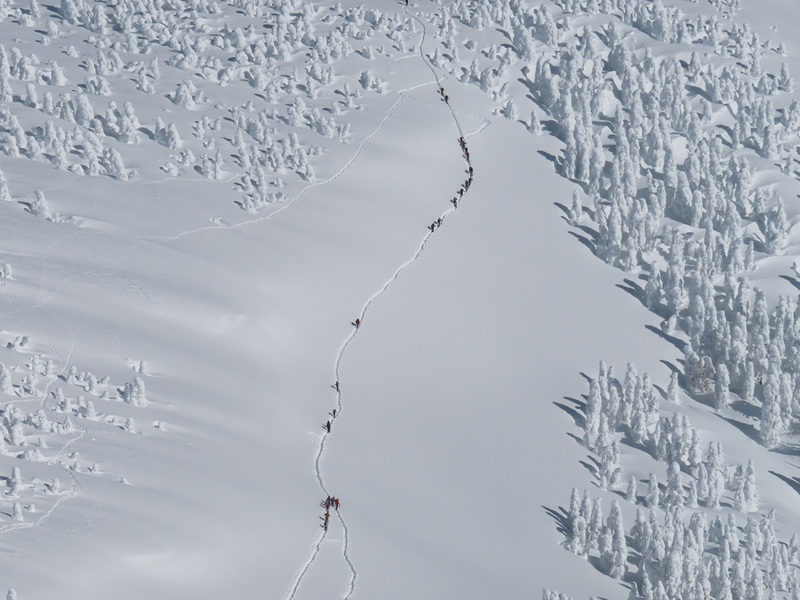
199	199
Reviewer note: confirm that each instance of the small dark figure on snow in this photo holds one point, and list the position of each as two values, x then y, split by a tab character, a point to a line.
439	222
333	413
357	323
454	201
336	503
336	385
327	426
432	226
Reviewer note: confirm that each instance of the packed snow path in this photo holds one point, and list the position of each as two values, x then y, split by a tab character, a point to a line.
357	323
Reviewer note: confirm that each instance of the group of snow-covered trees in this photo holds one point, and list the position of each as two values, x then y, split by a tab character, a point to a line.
631	407
675	556
206	54
680	556
671	194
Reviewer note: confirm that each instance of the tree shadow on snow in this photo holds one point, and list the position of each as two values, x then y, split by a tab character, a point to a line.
560	516
746	409
627	441
746	428
577	417
693	89
787	449
594	470
563	208
551	157
578	440
729	131
592	233
792	482
552	127
672	368
791	280
585	241
633	288
679	344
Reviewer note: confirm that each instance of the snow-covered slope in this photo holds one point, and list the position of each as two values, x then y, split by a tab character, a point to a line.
200	199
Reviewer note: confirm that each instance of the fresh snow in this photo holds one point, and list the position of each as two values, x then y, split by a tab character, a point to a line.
182	271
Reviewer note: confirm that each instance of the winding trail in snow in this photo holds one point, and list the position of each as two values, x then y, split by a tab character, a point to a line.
316	545
44	298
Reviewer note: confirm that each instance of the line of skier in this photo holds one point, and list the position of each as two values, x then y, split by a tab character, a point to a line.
330	501
444	96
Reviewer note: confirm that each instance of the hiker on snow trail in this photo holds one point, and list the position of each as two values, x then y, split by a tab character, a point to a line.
336	503
336	385
327	426
357	323
455	202
432	226
333	413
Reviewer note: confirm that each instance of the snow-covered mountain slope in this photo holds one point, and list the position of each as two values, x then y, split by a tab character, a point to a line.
200	199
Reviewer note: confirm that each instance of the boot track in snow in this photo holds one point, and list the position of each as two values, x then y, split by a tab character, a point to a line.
315	547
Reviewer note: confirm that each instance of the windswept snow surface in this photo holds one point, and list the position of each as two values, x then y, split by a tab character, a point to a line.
172	328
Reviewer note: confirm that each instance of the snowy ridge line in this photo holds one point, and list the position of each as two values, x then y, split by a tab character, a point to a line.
301	193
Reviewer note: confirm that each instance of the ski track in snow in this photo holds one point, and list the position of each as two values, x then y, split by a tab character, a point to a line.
402	96
75	487
315	548
44	298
